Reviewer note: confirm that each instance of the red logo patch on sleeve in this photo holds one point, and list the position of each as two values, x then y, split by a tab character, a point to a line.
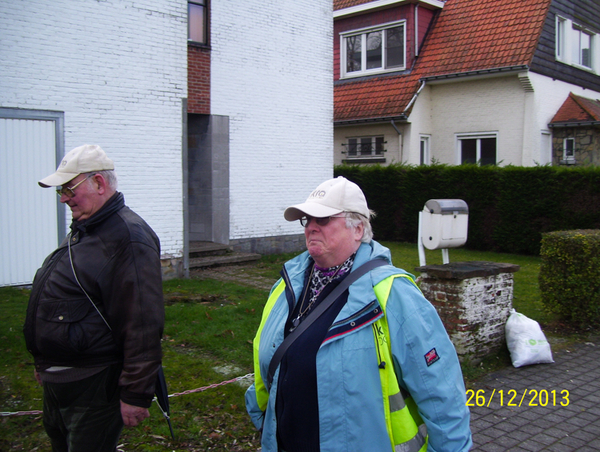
431	356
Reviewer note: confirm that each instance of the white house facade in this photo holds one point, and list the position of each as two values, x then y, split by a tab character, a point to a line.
475	92
514	110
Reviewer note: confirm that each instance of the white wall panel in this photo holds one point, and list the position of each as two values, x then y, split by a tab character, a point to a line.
28	213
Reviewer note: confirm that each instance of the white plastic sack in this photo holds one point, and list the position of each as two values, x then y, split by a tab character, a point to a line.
526	341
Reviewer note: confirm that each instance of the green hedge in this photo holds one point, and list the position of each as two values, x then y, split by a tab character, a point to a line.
570	275
509	207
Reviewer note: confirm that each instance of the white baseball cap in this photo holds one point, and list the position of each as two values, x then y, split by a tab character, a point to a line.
330	198
82	159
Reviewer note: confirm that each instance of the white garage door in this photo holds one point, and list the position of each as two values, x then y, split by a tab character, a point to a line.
28	213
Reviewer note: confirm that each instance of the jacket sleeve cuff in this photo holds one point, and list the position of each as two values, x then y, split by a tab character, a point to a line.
141	400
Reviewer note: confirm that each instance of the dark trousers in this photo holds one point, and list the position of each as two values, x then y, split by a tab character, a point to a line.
85	415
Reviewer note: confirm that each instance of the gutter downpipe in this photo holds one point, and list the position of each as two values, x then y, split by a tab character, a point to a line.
400	140
400	136
414	98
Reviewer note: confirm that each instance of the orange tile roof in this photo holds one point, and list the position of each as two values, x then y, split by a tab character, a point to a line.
341	4
468	35
382	97
477	35
578	109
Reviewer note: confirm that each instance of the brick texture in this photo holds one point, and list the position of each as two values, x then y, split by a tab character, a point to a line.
198	80
271	74
474	310
118	72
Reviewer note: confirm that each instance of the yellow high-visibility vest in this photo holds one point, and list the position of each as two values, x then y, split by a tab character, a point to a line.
405	427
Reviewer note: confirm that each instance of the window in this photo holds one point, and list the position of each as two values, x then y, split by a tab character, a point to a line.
582	44
425	159
197	22
365	147
575	45
569	150
477	149
560	38
373	50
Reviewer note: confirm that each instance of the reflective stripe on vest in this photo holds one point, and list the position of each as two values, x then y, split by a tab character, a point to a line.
405	427
262	395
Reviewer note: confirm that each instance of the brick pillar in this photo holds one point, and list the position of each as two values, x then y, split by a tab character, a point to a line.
474	300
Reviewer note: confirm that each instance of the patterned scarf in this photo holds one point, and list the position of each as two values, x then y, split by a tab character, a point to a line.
323	276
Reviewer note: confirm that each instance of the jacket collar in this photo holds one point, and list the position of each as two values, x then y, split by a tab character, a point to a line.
114	203
361	292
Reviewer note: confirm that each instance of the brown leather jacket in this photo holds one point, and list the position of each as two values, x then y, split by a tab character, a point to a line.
116	257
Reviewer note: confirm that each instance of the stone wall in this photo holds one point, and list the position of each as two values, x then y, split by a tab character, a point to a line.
474	300
587	145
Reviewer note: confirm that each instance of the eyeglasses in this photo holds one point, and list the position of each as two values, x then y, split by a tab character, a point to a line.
70	191
323	221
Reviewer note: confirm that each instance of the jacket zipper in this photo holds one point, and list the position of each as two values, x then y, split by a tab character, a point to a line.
356	315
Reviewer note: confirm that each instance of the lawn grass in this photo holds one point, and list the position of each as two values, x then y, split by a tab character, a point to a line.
208	339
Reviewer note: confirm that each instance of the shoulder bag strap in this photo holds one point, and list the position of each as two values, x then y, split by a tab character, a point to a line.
315	313
79	284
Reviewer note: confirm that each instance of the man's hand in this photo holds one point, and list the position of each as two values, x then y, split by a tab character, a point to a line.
133	415
37	377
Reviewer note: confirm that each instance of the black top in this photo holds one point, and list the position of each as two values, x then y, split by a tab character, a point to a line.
297	406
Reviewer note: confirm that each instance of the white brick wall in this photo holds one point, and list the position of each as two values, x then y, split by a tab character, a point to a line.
272	75
118	71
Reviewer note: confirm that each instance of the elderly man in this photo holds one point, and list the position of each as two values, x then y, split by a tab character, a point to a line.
96	314
369	367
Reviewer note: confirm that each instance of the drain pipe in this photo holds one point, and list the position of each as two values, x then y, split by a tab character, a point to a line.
414	98
400	140
400	136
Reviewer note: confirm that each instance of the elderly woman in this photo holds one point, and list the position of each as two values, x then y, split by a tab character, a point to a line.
367	369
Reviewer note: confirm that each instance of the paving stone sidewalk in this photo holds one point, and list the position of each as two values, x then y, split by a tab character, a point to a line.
234	273
545	418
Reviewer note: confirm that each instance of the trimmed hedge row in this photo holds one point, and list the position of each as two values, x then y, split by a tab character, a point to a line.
509	207
570	275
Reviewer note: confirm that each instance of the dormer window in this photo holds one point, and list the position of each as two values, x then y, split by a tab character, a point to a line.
582	44
576	45
373	50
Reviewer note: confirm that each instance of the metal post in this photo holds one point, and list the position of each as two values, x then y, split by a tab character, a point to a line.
420	243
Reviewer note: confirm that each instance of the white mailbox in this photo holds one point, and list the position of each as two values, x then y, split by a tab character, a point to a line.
443	224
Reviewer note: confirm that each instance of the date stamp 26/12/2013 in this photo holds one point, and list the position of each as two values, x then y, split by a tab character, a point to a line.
523	397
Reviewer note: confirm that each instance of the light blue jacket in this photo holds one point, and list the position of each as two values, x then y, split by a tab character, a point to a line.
351	414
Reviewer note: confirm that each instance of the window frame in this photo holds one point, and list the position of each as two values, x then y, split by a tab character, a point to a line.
567	35
425	149
359	143
478	136
569	158
561	39
204	5
363	32
578	59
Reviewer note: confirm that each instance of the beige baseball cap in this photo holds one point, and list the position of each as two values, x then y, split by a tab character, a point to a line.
330	198
82	159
